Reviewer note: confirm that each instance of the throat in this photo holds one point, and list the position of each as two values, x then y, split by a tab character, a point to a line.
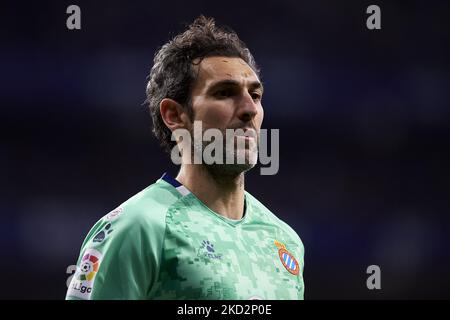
222	194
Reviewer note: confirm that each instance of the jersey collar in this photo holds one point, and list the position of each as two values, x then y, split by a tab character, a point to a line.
185	191
177	185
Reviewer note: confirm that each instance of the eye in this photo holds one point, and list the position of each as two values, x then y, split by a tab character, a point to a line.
256	96
223	93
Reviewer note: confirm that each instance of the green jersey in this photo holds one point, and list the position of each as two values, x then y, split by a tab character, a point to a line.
164	243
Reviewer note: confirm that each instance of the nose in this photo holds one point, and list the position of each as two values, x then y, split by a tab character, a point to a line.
247	109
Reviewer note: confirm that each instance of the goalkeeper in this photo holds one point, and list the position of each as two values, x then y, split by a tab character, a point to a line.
198	235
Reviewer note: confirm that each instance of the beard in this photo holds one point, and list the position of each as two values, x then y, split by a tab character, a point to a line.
232	155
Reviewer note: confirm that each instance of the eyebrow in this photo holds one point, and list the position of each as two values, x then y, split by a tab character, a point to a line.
228	82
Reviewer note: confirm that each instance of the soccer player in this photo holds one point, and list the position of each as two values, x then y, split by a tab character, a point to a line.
199	235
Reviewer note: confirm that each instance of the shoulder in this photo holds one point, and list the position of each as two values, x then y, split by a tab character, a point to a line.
150	205
143	215
268	216
122	252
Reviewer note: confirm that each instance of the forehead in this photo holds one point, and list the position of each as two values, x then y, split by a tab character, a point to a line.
213	69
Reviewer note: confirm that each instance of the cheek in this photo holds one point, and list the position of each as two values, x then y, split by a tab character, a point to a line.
214	115
260	116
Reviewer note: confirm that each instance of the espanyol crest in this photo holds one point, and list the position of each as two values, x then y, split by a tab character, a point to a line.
287	259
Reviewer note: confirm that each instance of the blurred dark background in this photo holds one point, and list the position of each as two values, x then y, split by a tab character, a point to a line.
363	118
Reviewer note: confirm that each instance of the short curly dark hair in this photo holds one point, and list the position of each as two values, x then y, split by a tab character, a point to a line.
172	75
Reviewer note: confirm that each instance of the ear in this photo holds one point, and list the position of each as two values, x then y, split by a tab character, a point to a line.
173	114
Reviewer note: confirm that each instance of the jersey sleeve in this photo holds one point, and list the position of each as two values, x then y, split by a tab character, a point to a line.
119	259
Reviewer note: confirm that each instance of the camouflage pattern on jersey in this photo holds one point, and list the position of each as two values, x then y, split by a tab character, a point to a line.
167	244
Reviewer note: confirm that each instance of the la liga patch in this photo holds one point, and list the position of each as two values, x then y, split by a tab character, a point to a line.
83	279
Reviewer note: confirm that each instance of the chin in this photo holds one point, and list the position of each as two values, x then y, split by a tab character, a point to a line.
229	170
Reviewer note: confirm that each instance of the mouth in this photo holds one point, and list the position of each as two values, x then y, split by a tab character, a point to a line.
249	133
246	138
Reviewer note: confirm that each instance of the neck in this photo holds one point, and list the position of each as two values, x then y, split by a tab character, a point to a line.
223	193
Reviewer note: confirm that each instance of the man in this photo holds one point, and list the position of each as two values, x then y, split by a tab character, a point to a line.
199	235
